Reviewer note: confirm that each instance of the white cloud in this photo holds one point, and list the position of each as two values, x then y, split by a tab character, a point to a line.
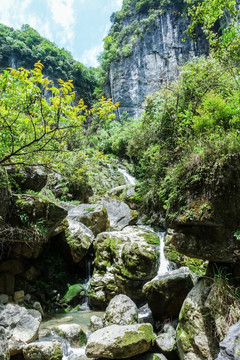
12	12
89	57
63	14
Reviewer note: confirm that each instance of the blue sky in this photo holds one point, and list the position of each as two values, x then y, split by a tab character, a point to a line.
77	25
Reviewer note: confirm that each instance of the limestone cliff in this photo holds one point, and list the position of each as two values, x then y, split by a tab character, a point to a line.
154	58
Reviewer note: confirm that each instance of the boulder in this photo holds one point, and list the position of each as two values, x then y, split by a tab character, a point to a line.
79	239
119	214
124	261
121	311
120	341
230	346
44	214
18	296
4	299
196	338
43	350
96	323
165	293
21	326
127	194
73	333
94	216
28	178
4	352
166	341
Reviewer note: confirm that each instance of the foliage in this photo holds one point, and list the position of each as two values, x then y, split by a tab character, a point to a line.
34	128
22	48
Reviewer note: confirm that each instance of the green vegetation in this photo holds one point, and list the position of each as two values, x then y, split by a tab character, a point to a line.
22	48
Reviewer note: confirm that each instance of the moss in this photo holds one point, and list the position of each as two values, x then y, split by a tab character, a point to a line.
134	214
57	354
82	338
151	238
148	331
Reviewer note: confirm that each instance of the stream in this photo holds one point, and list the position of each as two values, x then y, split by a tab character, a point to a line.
83	316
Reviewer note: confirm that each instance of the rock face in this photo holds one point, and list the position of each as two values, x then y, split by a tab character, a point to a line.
21	326
154	60
206	225
165	293
166	341
120	342
230	346
121	311
124	261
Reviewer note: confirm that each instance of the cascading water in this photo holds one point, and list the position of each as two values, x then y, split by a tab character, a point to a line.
164	265
130	180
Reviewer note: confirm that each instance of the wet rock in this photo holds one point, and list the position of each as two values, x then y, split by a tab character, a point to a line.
73	333
230	346
165	293
43	350
124	261
96	323
4	352
120	342
28	178
21	326
79	239
145	314
121	311
93	216
119	214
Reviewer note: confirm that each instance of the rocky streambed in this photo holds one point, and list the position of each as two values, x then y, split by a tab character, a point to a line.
113	263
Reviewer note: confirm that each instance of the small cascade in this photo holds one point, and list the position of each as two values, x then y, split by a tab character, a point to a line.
164	263
164	266
130	180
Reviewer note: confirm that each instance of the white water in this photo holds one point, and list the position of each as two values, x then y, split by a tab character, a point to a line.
164	265
130	180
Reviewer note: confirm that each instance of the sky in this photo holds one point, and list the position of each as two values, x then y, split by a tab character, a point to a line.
77	25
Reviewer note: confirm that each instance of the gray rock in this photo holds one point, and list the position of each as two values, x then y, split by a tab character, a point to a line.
43	350
79	239
119	214
73	333
96	323
21	326
196	330
29	178
154	60
230	346
121	311
120	342
124	261
4	352
149	356
166	341
165	293
91	215
3	299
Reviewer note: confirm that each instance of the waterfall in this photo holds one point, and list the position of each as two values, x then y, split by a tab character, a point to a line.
130	180
164	265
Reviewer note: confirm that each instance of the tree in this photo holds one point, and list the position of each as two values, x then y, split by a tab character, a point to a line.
37	118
